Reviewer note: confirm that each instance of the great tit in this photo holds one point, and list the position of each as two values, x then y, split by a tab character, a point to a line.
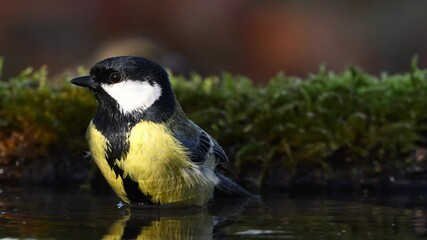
144	145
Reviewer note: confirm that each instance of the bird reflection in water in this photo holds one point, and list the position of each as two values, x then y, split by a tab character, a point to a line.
140	222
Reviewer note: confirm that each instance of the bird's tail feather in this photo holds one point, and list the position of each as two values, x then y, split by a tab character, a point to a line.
228	187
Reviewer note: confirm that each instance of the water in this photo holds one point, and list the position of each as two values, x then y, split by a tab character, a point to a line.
46	214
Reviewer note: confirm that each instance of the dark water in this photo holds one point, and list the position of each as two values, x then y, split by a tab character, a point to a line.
45	214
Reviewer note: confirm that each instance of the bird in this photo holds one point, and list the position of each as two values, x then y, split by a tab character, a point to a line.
149	152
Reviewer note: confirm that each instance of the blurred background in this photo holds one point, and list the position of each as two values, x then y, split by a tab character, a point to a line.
254	38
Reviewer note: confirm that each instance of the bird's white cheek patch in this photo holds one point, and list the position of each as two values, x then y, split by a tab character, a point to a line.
132	95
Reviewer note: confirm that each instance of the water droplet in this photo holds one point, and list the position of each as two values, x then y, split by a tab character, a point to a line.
120	204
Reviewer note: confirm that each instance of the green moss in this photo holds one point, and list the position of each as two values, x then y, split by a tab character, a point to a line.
38	119
327	123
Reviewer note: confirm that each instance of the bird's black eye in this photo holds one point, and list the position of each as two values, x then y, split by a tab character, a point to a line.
115	77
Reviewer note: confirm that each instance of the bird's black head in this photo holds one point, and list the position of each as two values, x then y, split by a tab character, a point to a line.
131	86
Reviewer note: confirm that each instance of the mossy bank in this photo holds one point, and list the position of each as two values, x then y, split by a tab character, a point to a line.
327	129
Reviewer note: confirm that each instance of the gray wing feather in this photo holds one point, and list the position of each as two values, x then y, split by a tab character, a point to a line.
205	146
200	144
219	152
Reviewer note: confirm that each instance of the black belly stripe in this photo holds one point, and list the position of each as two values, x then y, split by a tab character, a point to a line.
133	192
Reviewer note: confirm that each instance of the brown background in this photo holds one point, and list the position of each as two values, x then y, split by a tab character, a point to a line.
253	38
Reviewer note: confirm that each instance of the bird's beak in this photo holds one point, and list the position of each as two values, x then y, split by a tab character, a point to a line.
84	81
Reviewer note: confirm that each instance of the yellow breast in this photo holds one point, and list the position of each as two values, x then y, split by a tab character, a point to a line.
158	163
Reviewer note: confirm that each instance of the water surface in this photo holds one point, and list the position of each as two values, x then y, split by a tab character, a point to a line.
33	213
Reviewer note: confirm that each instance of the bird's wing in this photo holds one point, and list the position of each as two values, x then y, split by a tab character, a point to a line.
200	144
207	145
